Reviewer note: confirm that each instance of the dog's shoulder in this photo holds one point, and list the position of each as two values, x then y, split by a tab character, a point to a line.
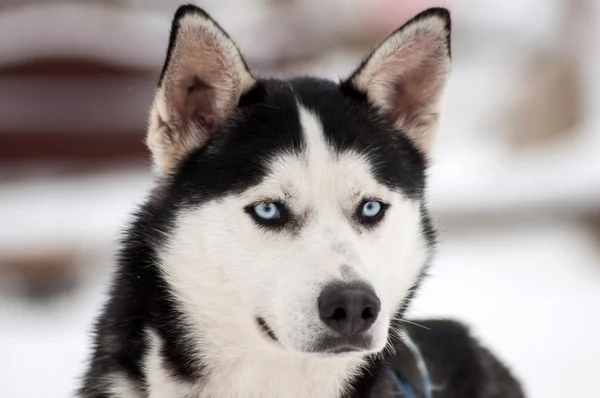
458	365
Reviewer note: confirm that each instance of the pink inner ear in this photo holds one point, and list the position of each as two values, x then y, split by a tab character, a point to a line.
199	107
414	94
408	81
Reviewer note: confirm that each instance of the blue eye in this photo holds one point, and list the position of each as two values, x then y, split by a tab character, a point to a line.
371	212
371	209
267	211
269	214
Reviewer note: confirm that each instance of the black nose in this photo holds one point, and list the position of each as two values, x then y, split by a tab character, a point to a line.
348	309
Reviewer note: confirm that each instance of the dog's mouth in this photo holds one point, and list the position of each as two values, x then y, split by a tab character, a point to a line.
343	345
326	346
264	327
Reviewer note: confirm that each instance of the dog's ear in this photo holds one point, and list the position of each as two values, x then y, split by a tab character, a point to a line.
404	78
202	80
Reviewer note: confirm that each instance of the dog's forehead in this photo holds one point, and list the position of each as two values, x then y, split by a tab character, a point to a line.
318	171
305	120
354	138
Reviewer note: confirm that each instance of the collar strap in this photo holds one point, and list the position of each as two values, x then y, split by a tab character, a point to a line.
405	388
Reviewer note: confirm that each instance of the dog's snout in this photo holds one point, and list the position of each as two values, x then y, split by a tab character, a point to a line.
348	309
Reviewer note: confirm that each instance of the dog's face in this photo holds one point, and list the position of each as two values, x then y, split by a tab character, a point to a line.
298	205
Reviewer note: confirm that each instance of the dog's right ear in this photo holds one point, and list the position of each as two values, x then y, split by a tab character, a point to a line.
202	80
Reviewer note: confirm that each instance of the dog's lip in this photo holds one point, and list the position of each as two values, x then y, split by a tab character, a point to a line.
266	328
341	345
344	349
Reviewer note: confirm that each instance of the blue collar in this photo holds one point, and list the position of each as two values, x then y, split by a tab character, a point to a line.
404	387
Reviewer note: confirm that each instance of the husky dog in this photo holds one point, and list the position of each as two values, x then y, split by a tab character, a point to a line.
287	234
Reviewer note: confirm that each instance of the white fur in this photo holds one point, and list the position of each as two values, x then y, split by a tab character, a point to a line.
121	386
160	382
225	271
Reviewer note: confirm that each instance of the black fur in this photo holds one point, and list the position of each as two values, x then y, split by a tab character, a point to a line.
474	372
266	123
459	366
350	124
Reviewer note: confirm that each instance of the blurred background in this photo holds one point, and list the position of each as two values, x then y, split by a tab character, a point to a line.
515	183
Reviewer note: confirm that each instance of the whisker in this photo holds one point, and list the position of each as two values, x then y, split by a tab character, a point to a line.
391	348
411	323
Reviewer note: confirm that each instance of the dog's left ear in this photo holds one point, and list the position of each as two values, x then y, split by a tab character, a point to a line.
404	78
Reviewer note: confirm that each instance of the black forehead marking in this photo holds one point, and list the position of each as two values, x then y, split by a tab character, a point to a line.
350	124
237	157
267	124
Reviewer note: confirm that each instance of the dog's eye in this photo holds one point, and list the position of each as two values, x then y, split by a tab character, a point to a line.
268	213
371	211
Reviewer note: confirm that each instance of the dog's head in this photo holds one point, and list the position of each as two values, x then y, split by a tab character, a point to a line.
298	204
